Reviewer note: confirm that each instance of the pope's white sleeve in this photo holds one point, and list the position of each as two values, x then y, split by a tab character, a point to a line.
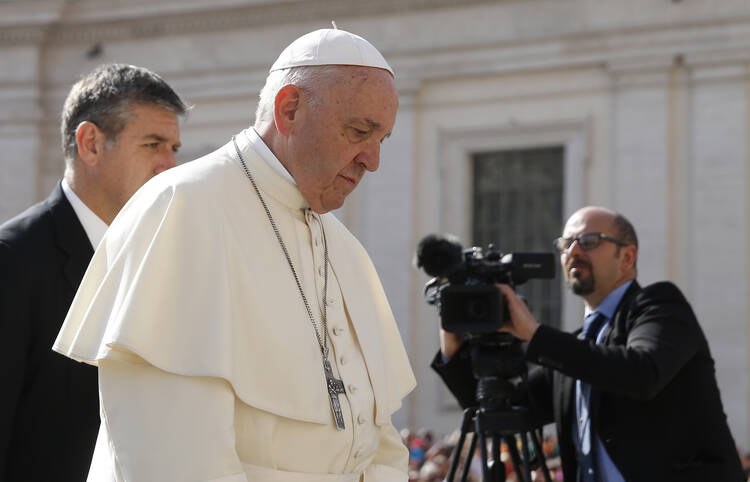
163	426
391	460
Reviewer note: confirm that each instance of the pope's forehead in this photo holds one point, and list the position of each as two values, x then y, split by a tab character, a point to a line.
364	78
364	89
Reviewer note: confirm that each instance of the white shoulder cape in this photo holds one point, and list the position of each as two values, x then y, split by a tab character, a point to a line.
189	278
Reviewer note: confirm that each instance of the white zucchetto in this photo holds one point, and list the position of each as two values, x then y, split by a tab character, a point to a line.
330	47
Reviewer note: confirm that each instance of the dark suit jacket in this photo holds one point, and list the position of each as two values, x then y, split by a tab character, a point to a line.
49	405
659	413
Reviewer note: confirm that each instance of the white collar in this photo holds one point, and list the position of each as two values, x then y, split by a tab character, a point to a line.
262	149
92	224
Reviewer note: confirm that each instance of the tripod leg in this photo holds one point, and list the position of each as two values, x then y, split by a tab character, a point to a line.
498	467
483	451
479	432
513	450
454	459
468	459
536	440
489	474
526	455
465	428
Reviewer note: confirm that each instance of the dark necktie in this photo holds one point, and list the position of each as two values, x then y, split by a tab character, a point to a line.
587	467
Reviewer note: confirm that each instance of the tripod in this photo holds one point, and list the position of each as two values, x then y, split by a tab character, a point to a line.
495	358
498	426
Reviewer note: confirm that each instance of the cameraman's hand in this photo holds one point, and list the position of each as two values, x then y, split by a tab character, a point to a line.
449	343
522	323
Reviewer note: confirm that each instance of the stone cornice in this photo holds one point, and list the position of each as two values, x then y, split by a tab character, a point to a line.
22	35
68	27
622	52
625	52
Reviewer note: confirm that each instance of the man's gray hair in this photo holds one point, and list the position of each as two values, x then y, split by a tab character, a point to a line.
105	97
306	78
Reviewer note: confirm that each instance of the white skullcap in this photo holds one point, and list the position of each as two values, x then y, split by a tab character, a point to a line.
330	47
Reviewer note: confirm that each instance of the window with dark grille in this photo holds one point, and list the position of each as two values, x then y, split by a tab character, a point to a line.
518	207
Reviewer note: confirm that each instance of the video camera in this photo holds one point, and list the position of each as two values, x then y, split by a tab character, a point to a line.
464	281
463	286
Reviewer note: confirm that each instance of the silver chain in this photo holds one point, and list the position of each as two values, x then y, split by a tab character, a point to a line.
322	341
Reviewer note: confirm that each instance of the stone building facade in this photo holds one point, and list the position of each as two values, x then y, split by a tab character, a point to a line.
647	101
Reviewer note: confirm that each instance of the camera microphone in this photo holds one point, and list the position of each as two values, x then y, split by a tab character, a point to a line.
439	255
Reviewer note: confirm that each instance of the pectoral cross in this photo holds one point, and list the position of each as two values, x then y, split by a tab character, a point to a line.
334	386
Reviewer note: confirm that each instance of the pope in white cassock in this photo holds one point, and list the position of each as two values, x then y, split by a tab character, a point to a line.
241	333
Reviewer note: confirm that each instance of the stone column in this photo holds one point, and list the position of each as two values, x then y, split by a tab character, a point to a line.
718	220
20	117
382	217
638	172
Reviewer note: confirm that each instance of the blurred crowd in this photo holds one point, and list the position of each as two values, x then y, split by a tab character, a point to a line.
430	458
745	459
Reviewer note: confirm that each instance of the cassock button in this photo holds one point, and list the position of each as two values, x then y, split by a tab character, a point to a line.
322	271
357	454
360	419
352	388
317	241
330	301
337	331
342	360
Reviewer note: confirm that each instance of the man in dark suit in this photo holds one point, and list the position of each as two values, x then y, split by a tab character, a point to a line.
119	128
633	394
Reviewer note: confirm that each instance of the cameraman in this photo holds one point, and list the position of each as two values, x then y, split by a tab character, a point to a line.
633	394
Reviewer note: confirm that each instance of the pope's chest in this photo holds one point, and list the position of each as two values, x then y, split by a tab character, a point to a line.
295	281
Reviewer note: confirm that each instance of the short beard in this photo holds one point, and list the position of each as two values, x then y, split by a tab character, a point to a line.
584	286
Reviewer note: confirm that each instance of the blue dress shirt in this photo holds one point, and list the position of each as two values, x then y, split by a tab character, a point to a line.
606	469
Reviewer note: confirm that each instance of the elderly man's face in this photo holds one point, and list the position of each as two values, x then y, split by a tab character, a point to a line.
339	139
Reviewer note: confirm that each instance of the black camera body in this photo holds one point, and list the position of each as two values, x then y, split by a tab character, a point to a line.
464	281
464	287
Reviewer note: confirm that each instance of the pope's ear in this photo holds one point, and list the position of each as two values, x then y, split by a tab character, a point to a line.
90	141
285	108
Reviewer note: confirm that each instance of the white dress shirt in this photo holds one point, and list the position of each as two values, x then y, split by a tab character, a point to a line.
92	224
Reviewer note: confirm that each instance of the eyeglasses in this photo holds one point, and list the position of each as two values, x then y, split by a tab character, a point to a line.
587	242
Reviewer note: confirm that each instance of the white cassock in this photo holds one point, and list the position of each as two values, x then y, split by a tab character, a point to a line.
209	367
